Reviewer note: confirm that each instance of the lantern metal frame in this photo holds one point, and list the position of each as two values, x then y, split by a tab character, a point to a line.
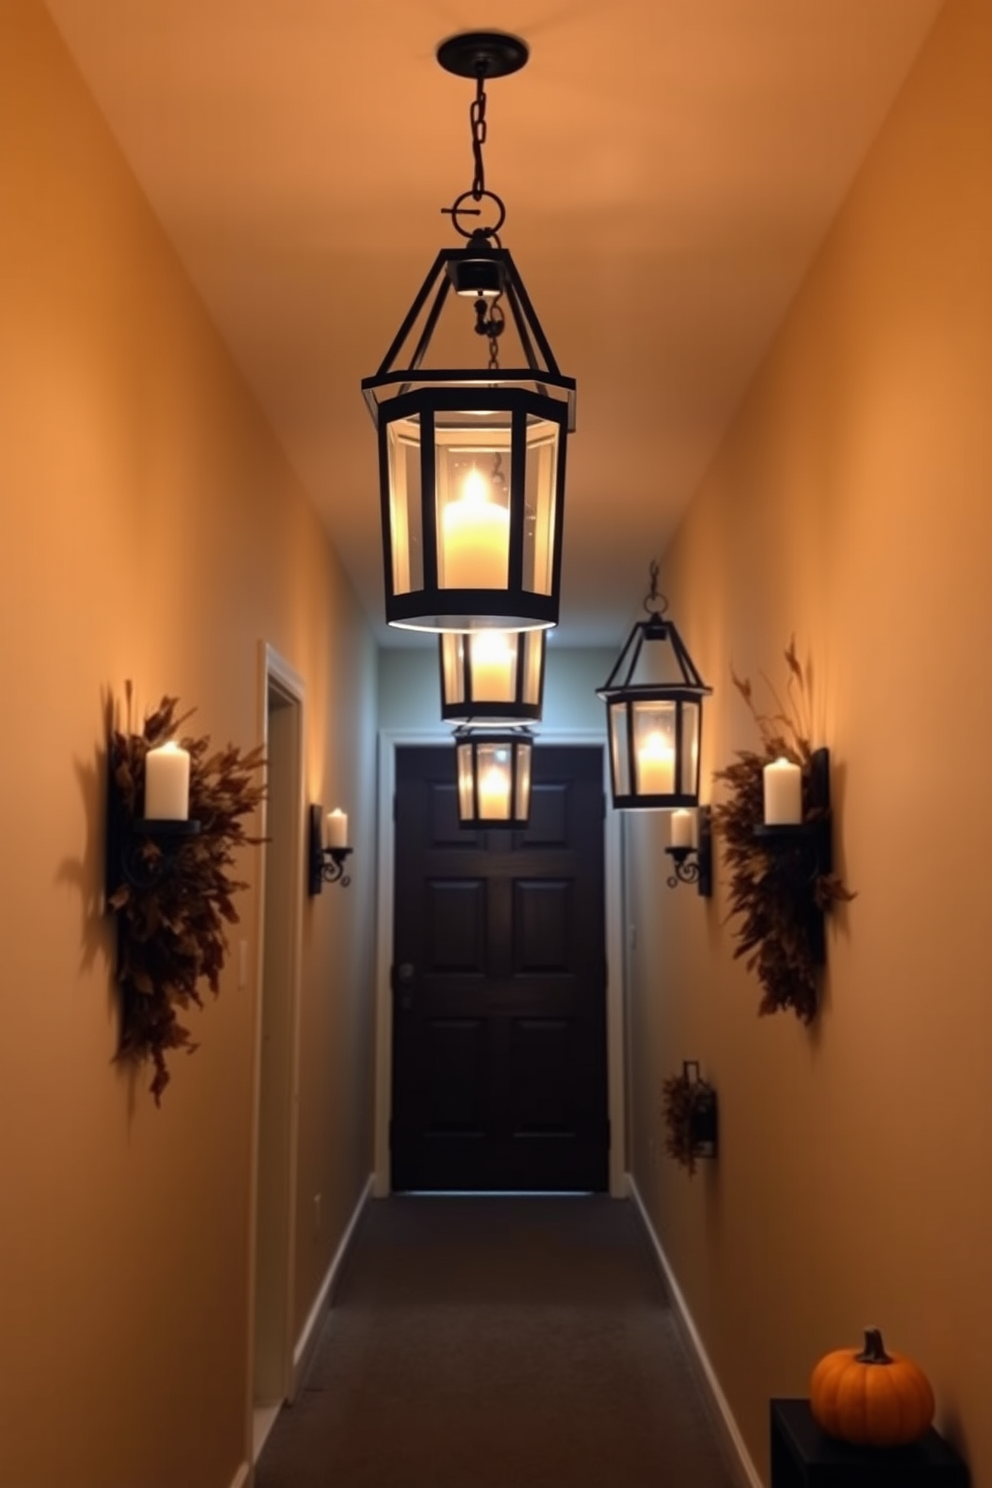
623	697
534	396
520	744
473	705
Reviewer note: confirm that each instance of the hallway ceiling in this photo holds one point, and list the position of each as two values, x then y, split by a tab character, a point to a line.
669	168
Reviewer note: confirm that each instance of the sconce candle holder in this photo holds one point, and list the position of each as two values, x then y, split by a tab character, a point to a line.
802	852
326	864
693	864
141	851
689	1109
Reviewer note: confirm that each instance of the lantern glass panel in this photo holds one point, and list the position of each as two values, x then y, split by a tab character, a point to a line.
473	503
522	804
453	646
689	752
495	772
619	749
540	487
405	524
466	789
654	748
533	644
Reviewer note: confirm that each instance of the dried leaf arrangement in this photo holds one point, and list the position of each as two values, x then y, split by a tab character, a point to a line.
777	905
689	1111
171	932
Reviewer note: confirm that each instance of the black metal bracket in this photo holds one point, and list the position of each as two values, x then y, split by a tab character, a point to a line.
801	854
325	864
141	851
694	865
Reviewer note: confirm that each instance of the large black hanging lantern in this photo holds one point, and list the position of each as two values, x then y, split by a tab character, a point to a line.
472	460
654	709
493	769
492	676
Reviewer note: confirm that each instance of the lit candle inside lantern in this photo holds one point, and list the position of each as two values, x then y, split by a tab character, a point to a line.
494	793
655	767
681	829
492	667
783	790
475	538
336	828
167	783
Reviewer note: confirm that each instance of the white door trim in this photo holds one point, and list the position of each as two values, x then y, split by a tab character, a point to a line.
272	668
389	741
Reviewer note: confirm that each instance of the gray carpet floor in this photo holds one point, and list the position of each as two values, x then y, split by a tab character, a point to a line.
498	1343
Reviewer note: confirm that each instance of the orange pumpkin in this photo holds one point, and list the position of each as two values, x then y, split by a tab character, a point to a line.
871	1398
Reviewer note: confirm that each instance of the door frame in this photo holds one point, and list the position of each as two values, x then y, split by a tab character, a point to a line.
273	671
388	742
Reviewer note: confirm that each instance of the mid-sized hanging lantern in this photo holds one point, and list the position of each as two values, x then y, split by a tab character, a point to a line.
472	459
654	710
493	774
492	676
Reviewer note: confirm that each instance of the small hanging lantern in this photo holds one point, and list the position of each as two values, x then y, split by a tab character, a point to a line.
493	772
654	707
472	460
492	676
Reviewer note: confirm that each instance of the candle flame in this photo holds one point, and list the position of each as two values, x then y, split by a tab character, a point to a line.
475	488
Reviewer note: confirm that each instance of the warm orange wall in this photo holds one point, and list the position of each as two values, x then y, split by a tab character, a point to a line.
851	504
149	529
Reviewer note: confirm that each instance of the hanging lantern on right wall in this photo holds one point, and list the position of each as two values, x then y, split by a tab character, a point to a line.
654	709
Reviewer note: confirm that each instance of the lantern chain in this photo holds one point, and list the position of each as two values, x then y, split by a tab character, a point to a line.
654	602
477	119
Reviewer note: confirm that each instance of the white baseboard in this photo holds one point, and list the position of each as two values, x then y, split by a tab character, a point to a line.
308	1335
242	1476
750	1477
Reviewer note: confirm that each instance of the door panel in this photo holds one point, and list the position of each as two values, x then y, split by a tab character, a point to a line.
499	1017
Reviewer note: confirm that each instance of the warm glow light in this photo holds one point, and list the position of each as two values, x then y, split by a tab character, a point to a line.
494	792
492	667
475	537
655	766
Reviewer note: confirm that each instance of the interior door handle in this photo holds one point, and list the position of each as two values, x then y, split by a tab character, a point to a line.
404	983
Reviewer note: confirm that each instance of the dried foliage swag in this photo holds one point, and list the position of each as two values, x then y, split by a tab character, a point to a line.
171	935
682	1101
773	929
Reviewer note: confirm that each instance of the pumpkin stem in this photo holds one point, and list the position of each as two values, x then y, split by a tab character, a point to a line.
874	1349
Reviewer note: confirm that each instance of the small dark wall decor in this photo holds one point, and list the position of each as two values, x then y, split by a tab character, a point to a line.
689	1109
775	822
169	880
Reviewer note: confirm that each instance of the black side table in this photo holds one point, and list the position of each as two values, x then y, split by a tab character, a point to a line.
802	1456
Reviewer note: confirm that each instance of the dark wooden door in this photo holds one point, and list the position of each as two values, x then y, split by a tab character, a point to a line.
499	983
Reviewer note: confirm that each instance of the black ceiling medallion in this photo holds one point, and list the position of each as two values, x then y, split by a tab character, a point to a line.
654	709
472	459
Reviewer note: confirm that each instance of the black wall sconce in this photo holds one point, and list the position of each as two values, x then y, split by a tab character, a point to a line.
689	1109
328	850
796	835
692	862
142	851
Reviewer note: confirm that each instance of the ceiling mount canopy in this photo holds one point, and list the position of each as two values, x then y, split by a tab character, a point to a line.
472	459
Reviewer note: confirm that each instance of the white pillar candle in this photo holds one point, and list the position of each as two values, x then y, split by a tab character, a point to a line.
494	793
336	828
655	767
475	539
783	789
681	829
492	667
167	783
